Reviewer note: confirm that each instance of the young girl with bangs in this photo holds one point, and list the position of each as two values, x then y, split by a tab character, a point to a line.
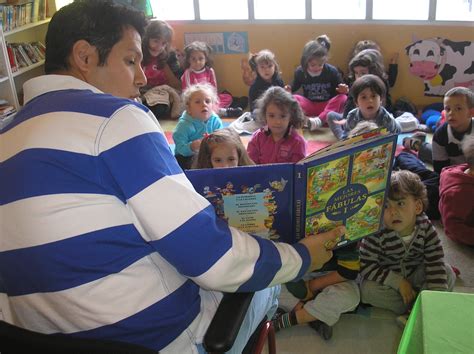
322	85
264	64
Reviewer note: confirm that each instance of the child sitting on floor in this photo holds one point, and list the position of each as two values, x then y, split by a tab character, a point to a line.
278	141
406	256
446	147
160	68
197	120
223	148
198	64
323	88
268	74
456	199
367	92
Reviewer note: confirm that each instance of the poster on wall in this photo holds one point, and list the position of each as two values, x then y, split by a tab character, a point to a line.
442	64
221	42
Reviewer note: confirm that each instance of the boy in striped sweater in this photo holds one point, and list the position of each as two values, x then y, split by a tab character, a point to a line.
406	256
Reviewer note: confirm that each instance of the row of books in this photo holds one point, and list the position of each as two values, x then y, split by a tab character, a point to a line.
13	16
22	55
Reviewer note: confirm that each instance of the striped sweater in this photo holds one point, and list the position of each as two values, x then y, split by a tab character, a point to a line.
385	258
103	236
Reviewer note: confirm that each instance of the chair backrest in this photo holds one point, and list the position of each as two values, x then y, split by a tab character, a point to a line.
14	339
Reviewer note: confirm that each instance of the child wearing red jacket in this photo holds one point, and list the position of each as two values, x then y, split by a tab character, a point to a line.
456	203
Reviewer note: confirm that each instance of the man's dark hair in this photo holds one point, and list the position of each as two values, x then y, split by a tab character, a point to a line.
372	82
99	22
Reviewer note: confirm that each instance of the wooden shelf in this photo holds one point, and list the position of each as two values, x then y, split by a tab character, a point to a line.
27	68
3	79
25	27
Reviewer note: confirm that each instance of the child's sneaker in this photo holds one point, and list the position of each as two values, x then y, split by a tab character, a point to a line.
402	321
231	112
414	142
322	328
424	128
314	123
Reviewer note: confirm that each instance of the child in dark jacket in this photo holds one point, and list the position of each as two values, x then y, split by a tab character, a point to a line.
268	74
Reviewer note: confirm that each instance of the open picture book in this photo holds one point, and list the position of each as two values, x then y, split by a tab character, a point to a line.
343	184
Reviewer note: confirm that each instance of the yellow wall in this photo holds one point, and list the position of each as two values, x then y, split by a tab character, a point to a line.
287	41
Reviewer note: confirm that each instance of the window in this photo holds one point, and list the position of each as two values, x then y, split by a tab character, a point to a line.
279	9
223	10
455	10
401	9
173	10
338	9
392	10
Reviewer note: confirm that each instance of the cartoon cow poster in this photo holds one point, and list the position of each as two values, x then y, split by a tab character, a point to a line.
442	64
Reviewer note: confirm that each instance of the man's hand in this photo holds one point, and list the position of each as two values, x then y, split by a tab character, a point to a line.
319	246
407	292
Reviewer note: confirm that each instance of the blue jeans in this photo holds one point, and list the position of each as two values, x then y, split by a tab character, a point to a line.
337	129
264	302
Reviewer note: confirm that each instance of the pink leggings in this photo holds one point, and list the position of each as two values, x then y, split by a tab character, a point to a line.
321	109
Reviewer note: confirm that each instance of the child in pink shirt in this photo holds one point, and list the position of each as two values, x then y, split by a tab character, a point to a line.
278	141
199	70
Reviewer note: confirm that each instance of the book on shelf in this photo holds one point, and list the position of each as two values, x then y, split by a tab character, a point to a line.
23	55
344	184
15	14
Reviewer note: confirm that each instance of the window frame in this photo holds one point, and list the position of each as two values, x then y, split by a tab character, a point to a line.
368	18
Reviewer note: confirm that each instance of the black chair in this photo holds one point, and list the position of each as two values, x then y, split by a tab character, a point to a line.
219	338
14	339
225	325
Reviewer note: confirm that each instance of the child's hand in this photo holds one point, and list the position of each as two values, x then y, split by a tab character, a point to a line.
342	88
394	58
195	145
407	292
340	122
288	88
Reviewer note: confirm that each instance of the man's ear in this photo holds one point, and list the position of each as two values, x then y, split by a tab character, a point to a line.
419	206
83	56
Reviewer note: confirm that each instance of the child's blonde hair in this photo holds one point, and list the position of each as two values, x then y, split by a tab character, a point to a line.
263	56
284	101
462	91
202	87
222	136
403	183
314	49
197	46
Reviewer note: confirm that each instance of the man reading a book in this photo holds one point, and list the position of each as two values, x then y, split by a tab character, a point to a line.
103	236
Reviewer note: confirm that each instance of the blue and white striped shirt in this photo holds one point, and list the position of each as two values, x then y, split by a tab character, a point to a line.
101	233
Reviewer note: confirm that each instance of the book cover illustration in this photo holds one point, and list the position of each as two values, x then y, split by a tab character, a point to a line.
250	198
348	191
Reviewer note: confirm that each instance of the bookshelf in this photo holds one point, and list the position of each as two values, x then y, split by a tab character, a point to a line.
11	82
